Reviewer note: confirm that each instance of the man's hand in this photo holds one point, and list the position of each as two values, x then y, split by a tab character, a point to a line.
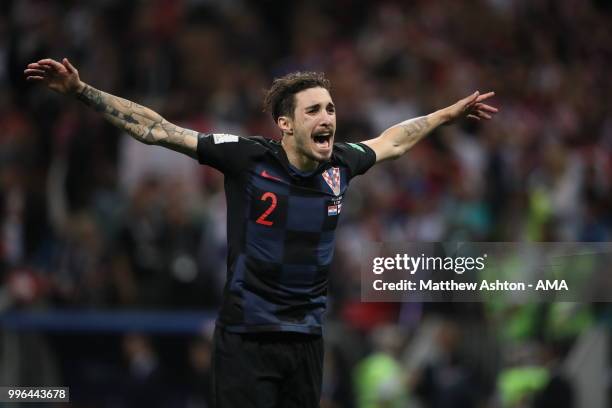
62	78
470	107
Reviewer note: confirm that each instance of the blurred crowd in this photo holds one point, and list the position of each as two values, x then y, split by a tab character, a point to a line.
91	219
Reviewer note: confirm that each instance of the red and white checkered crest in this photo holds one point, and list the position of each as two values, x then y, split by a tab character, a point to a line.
332	178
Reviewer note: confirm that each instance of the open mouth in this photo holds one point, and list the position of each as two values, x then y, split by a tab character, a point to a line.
323	139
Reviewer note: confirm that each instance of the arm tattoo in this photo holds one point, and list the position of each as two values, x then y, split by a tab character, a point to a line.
140	122
91	97
405	134
415	129
166	134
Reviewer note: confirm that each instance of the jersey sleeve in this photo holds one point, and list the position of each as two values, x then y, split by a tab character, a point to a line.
358	157
227	153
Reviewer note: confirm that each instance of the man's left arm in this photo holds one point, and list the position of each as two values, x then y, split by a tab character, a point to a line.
398	139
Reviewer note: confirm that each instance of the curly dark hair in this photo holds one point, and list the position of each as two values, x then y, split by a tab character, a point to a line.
280	98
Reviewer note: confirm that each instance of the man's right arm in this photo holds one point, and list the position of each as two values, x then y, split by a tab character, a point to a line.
140	122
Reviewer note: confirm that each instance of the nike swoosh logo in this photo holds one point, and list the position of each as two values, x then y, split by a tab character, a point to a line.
269	176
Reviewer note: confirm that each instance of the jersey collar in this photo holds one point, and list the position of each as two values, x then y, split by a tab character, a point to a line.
294	172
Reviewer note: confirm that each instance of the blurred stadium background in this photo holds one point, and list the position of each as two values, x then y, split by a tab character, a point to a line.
112	254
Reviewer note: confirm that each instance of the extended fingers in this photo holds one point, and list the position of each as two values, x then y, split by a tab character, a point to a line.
485	107
478	110
483	115
48	62
47	69
35	71
479	114
36	65
487	95
470	99
69	66
31	71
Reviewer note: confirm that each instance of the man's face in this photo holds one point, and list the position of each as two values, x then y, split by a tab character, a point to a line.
314	124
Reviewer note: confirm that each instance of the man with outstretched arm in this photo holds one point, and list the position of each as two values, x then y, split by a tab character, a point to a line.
284	199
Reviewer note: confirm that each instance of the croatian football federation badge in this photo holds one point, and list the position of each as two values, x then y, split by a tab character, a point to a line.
332	178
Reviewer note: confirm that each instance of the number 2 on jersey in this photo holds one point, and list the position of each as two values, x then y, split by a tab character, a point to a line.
262	218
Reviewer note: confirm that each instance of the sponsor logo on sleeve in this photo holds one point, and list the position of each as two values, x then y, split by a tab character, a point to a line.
357	147
224	138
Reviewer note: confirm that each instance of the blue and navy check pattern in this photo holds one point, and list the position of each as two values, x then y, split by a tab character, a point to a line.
281	233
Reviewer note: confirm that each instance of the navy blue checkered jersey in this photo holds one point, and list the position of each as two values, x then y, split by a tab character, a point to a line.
280	228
